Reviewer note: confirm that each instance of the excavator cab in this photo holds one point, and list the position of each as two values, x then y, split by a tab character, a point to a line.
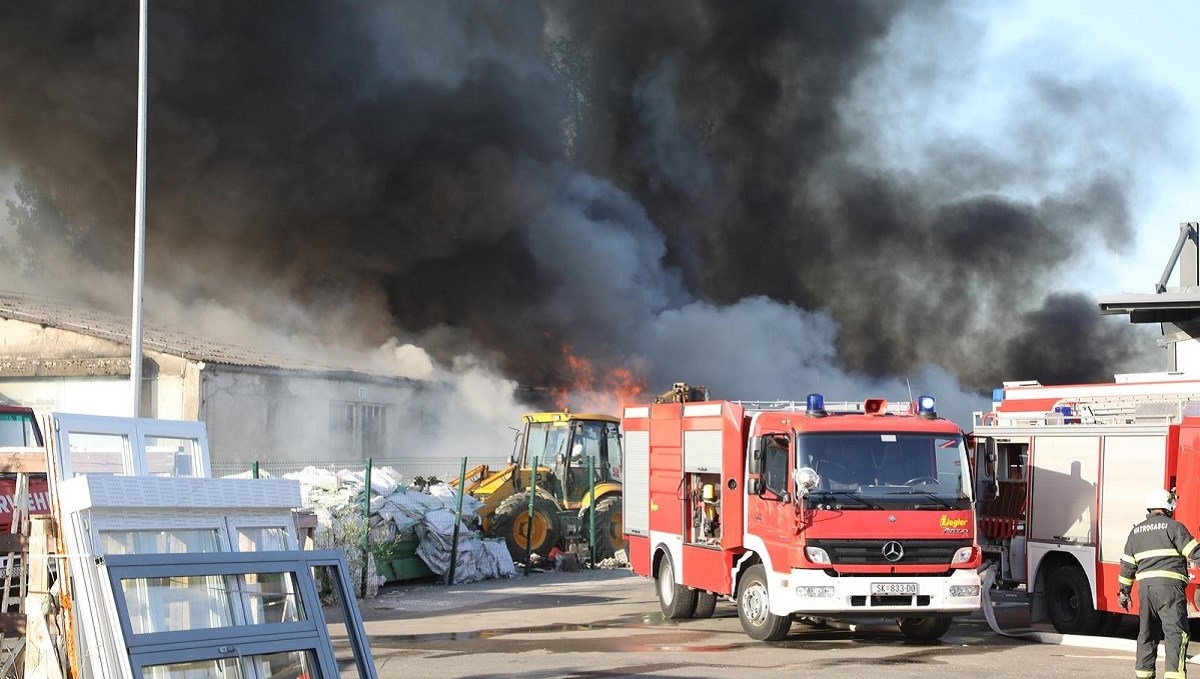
564	445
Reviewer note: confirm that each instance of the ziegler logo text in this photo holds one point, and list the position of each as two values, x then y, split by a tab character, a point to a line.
950	525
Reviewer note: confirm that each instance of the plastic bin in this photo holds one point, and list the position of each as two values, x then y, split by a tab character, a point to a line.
398	562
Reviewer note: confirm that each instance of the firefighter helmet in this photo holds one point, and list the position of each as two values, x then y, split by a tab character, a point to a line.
1160	499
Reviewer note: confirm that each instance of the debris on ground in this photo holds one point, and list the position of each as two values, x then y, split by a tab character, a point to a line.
422	513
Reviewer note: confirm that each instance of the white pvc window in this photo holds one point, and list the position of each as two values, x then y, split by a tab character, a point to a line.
262	539
166	541
92	444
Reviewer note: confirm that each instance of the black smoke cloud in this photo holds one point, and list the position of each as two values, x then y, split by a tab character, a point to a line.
707	191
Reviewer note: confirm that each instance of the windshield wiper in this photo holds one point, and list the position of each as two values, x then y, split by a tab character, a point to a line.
850	494
931	496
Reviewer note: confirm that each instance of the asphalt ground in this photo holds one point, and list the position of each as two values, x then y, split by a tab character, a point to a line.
602	623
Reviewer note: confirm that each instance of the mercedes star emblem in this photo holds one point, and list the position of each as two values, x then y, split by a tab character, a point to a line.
893	551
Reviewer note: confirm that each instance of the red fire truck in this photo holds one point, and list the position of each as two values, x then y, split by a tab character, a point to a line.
798	510
19	429
1063	471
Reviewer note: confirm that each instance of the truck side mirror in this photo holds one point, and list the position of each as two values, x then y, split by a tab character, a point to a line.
755	454
987	489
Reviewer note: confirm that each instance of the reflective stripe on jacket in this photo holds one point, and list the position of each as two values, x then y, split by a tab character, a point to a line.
1157	552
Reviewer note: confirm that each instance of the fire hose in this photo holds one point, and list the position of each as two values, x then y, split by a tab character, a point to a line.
1077	640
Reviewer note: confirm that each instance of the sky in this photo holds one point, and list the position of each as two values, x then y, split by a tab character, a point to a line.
1156	42
763	197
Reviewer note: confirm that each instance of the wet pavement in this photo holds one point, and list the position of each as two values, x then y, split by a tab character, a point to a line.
600	624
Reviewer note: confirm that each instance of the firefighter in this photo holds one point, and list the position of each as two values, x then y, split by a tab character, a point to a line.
1156	556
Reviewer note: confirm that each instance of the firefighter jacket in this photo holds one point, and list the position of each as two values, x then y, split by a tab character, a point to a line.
1157	552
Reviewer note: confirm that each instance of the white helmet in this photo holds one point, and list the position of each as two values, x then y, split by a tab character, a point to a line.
1160	499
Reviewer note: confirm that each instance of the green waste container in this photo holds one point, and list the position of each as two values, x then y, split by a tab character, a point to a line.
398	562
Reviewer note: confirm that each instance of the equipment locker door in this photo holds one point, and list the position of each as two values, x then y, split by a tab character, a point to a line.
1064	473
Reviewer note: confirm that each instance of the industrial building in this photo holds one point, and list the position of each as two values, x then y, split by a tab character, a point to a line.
257	405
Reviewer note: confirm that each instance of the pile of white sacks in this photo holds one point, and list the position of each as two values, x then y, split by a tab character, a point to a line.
399	513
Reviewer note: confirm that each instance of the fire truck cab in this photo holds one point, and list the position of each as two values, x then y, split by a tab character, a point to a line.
1062	473
851	511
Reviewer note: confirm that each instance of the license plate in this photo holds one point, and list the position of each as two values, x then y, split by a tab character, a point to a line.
893	588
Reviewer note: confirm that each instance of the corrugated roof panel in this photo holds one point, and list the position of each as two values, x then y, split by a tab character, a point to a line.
94	322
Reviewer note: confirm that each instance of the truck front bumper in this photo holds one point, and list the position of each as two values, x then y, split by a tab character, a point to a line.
814	592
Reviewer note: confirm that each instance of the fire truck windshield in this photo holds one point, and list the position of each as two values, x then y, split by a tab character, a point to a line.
888	468
16	429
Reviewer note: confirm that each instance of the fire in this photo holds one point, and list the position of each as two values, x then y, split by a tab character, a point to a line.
588	392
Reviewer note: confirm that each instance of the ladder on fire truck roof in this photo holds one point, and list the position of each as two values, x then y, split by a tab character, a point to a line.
1166	408
838	407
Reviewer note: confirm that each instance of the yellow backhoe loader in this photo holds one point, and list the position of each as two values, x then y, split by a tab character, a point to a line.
563	504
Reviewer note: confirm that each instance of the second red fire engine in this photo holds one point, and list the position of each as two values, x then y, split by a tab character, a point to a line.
794	510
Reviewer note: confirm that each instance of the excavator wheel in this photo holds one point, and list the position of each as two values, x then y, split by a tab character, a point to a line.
511	522
609	529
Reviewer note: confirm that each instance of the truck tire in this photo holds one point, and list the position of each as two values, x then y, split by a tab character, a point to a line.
706	604
511	521
925	629
1069	602
754	610
610	535
676	601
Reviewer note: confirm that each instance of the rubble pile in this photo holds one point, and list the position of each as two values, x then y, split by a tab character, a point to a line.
398	513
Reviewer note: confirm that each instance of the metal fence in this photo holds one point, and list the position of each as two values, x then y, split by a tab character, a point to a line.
444	468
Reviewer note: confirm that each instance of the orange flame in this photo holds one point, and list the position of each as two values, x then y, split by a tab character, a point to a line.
609	393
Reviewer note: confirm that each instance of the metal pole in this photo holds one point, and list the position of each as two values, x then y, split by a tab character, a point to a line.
139	220
529	523
366	529
462	482
592	514
1186	231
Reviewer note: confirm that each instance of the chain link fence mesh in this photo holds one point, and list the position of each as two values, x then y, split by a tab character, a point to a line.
444	468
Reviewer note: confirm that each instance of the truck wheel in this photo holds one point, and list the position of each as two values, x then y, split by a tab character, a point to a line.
754	611
677	601
925	629
706	604
1069	602
610	535
511	521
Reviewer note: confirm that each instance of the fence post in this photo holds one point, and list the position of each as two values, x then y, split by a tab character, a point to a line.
592	513
254	469
366	529
533	477
462	482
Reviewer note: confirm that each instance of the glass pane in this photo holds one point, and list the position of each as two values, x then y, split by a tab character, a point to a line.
273	539
172	457
172	541
272	597
222	668
335	613
287	665
177	603
98	453
16	429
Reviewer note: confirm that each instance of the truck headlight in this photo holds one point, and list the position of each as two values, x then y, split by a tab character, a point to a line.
815	592
817	555
964	590
963	555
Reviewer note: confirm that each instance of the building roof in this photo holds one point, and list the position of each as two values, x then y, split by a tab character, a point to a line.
95	322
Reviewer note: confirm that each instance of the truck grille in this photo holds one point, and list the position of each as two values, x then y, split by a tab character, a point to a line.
871	552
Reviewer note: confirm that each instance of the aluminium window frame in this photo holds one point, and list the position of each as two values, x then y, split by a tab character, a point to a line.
157	648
